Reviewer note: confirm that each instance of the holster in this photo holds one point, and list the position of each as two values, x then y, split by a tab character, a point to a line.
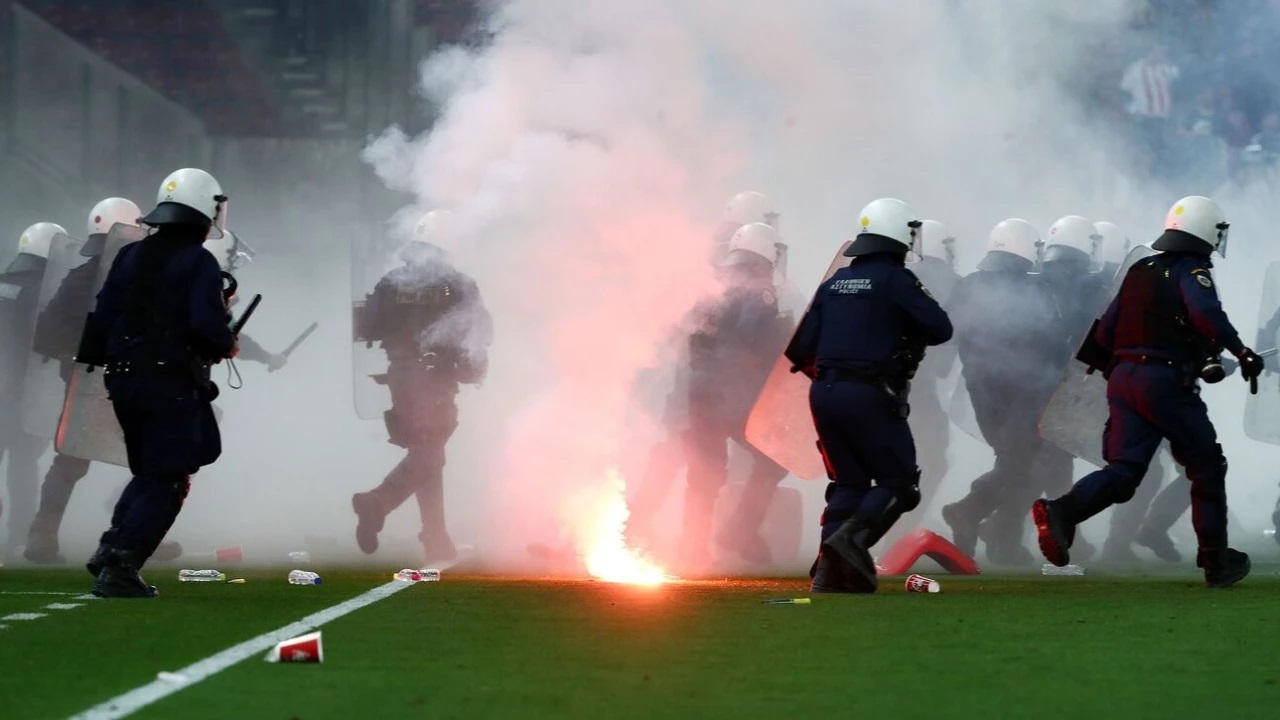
395	429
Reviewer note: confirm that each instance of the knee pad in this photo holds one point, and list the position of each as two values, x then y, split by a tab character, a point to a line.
906	492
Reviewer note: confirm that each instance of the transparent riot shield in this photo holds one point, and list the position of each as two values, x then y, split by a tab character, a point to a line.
961	412
372	257
1074	417
780	424
54	336
1262	411
88	428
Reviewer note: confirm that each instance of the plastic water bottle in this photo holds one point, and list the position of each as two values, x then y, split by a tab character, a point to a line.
423	575
1051	569
201	576
303	577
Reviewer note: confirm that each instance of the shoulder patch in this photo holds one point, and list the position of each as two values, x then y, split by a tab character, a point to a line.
924	289
1204	280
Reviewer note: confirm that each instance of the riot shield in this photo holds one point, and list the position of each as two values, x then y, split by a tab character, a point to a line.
961	412
372	256
780	424
1074	417
53	339
88	428
1262	411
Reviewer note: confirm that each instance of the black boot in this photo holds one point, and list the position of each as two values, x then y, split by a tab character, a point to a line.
1223	568
964	527
100	556
1159	543
369	521
119	577
1055	532
831	575
848	546
42	543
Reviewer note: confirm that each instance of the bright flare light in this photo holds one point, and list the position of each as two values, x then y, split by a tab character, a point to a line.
602	545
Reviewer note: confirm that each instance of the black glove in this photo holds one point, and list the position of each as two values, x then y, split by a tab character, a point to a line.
1251	366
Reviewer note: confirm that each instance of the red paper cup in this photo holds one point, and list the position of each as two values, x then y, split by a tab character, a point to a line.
922	584
229	555
302	649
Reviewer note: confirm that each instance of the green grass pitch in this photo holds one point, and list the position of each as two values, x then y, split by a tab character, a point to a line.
480	647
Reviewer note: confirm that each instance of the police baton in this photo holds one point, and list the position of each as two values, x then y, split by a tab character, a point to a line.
305	334
238	325
1253	381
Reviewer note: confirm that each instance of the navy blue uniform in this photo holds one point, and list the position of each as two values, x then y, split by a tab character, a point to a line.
730	356
19	291
1159	329
435	329
1011	344
162	319
853	341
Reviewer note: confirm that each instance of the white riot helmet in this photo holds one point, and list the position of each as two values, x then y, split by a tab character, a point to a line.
1202	220
937	241
190	197
231	252
750	207
758	239
1073	238
1016	237
33	246
886	225
437	227
1115	244
105	215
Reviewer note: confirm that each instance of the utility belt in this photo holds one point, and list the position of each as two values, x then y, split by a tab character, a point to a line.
193	372
1188	372
897	387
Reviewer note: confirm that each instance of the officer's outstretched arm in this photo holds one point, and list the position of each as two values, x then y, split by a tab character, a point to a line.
207	316
933	327
1205	312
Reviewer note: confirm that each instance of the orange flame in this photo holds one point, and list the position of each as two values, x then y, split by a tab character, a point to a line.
601	542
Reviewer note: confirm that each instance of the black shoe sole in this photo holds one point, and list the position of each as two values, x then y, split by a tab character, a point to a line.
1235	577
859	562
1052	545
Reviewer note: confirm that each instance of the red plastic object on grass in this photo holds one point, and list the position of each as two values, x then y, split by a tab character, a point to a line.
908	550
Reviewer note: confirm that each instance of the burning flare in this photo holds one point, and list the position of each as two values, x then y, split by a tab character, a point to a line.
600	540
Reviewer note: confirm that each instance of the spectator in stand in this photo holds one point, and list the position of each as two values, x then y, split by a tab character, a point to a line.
1149	81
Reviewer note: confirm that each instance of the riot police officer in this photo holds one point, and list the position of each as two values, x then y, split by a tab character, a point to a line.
159	323
19	295
930	426
57	335
860	341
1152	341
434	327
730	356
1010	346
667	456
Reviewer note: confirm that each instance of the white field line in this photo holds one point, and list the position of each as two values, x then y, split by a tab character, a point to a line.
62	606
25	592
23	616
140	697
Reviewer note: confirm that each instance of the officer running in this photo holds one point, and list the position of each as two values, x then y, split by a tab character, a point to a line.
1151	342
19	297
433	325
159	323
861	341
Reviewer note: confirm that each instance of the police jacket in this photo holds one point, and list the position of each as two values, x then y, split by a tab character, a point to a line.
19	298
1167	308
864	315
734	345
430	314
162	304
1079	296
1007	328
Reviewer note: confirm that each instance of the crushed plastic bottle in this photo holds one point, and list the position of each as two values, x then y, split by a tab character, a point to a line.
201	576
423	575
1051	569
303	577
301	556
